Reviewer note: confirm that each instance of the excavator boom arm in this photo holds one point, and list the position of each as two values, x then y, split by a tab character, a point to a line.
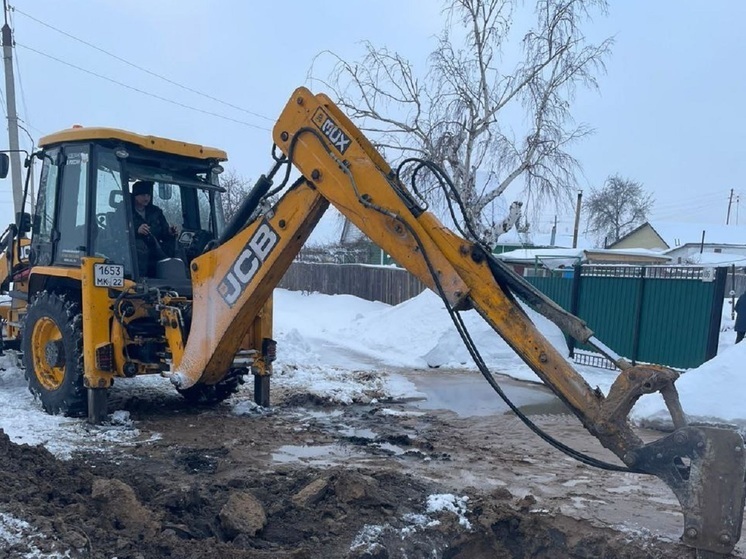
342	168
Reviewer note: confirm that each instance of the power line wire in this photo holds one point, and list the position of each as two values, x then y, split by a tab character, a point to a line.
210	113
154	74
715	197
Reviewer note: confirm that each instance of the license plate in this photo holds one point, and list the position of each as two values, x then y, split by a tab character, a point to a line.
108	275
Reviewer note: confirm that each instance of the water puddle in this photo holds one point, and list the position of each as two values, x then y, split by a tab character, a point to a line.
321	455
357	433
469	395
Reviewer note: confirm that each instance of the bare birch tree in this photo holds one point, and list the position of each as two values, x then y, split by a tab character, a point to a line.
236	189
616	209
454	115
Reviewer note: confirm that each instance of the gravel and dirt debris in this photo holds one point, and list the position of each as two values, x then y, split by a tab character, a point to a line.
308	478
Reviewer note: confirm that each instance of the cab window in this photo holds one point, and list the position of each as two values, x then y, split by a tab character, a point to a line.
71	219
111	231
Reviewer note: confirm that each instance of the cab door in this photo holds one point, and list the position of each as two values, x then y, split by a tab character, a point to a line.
60	233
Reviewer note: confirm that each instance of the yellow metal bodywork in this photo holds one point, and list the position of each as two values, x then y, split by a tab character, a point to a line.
99	327
6	265
10	311
165	145
57	272
226	302
97	319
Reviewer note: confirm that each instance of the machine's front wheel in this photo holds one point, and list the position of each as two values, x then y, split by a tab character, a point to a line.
52	346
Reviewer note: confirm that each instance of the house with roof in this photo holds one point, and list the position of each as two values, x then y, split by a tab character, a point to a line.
535	261
516	240
690	243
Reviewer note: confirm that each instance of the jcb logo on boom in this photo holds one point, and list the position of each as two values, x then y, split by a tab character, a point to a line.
247	264
334	133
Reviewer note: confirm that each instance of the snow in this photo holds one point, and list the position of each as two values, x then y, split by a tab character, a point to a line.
369	537
709	258
676	233
350	350
554	258
448	502
330	339
14	531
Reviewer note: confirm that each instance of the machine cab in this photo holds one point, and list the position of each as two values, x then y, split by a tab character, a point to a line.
86	206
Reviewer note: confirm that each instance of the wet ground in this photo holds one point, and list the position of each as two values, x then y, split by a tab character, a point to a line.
448	476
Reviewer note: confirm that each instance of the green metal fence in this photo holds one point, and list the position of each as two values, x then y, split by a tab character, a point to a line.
654	314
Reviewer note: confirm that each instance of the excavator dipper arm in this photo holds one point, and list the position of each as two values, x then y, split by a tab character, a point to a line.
704	466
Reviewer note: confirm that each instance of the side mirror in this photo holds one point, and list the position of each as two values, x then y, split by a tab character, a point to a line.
4	165
23	221
116	197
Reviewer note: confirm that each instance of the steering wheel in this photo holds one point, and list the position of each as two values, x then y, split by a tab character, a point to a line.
194	241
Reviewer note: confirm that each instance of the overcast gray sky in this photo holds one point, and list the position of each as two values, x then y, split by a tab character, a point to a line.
669	112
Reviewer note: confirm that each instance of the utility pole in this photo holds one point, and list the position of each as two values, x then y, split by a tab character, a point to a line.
730	201
577	220
10	100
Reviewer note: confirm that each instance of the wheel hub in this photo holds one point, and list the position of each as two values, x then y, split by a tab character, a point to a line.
54	353
47	353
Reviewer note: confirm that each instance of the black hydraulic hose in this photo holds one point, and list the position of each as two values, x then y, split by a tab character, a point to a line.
474	352
261	189
246	209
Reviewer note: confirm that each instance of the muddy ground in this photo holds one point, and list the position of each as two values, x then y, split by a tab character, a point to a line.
308	479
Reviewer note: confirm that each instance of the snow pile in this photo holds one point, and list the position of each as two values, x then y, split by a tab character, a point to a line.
349	333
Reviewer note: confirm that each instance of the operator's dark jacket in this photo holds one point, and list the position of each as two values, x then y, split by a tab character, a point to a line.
148	251
741	314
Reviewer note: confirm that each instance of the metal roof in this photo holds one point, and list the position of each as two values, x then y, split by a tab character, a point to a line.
85	133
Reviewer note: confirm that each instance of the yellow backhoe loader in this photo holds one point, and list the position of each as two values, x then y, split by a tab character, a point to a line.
85	308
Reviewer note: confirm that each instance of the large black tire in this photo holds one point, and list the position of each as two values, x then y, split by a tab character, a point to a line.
52	346
215	393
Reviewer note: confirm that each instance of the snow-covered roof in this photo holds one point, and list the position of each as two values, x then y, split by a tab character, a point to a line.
531	254
642	252
535	238
563	257
709	258
676	234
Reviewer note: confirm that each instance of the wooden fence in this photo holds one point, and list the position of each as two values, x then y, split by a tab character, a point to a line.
387	284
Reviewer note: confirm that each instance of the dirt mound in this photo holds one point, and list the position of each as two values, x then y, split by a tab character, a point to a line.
211	492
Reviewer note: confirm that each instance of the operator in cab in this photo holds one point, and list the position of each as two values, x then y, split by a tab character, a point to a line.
154	238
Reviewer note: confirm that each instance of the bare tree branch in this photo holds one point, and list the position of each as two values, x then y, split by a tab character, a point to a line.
477	115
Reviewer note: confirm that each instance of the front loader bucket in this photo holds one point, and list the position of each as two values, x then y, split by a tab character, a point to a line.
706	469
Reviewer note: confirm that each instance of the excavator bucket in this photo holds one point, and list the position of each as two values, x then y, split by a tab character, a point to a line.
705	467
